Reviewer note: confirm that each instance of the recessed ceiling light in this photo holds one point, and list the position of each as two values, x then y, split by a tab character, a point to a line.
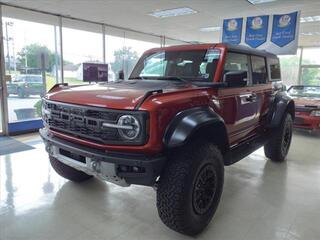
210	29
260	1
310	19
172	12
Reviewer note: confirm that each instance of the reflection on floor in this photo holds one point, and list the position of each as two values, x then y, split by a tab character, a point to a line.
261	200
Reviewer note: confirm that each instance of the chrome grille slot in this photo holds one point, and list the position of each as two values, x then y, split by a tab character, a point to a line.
85	122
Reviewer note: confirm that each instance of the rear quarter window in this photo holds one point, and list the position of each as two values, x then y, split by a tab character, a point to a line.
259	70
274	66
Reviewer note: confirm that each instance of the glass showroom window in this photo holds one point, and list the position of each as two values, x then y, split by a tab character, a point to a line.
114	55
31	60
123	52
133	49
82	43
290	68
310	67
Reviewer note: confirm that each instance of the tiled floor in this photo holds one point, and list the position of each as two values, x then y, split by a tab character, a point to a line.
261	200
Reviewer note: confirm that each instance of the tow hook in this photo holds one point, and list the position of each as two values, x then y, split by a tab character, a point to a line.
95	166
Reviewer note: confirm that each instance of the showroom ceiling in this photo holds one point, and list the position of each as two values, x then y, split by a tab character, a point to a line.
207	14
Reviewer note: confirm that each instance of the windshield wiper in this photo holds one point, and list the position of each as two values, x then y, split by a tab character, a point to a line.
135	78
173	78
162	78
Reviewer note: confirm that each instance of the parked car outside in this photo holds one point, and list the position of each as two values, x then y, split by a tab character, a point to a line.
307	102
26	85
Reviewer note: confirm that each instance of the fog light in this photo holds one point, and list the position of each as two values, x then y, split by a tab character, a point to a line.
123	168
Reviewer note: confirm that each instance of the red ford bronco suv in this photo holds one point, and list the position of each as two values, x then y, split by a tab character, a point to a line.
185	113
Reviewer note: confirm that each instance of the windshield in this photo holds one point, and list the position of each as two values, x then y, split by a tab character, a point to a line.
194	65
305	91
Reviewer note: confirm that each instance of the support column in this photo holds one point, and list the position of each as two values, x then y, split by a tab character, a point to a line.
3	84
104	43
61	49
300	69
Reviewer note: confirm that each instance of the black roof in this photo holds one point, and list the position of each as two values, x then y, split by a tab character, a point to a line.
245	49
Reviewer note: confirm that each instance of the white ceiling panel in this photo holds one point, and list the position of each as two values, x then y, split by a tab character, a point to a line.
133	14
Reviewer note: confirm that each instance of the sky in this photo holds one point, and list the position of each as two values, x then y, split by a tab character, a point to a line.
78	46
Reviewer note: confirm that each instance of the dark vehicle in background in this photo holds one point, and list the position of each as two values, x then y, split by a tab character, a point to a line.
307	102
25	85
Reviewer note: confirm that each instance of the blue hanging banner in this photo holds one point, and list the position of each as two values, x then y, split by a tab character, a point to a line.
232	30
256	30
284	29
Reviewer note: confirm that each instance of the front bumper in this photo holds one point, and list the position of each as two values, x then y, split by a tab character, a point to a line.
120	168
307	122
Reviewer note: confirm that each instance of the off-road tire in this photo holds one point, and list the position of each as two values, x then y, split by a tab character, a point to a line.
176	195
278	146
68	172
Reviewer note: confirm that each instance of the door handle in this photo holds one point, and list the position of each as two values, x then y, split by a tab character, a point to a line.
252	97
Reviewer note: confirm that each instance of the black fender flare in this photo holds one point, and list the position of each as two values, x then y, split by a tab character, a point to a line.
281	104
186	123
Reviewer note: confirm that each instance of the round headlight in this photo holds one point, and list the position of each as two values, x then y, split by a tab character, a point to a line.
133	127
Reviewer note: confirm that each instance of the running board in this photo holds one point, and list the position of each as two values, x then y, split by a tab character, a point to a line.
244	149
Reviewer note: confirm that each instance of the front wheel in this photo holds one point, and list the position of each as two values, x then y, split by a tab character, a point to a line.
68	172
190	188
278	146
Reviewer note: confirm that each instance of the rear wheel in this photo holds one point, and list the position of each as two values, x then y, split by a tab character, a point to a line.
278	146
190	188
68	172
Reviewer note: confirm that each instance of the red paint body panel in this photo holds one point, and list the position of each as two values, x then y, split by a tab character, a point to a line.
303	119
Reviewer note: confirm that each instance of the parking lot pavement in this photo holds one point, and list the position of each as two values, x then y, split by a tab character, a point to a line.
14	102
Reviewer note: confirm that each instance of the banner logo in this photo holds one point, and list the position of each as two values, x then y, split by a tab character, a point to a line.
284	21
257	23
232	25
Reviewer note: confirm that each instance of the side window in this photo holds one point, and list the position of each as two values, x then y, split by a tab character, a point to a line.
274	69
259	70
236	62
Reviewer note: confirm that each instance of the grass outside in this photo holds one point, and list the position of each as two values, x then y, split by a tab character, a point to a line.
51	81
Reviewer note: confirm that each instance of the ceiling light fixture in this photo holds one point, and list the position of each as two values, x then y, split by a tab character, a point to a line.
172	12
210	29
310	19
254	2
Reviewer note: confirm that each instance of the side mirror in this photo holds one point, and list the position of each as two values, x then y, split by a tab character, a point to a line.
236	78
121	75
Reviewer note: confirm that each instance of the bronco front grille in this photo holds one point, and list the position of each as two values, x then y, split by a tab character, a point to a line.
86	122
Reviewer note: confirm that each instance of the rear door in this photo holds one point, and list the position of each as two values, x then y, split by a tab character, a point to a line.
239	104
261	88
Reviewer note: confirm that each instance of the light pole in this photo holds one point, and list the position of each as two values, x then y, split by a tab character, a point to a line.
10	24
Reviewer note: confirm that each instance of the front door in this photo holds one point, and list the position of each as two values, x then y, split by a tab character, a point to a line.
239	105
